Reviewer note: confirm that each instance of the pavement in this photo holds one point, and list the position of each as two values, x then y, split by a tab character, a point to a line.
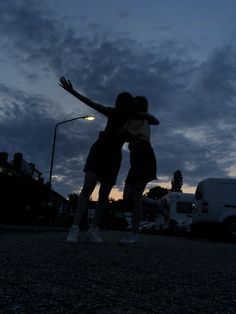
40	273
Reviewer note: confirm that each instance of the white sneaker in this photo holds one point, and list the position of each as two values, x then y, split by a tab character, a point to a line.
94	236
129	238
73	234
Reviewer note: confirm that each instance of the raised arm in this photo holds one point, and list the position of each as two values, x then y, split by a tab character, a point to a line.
151	119
67	85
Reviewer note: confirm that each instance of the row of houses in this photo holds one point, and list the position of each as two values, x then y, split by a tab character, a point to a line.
25	198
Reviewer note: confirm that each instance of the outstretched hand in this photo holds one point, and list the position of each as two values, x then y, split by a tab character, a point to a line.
66	84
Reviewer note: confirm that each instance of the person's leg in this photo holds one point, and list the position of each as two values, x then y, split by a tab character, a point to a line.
127	191
127	202
135	192
90	182
104	191
93	234
136	198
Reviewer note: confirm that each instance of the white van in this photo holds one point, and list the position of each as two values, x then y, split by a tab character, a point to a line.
215	207
179	207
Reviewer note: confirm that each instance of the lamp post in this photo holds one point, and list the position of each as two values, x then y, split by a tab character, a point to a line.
54	140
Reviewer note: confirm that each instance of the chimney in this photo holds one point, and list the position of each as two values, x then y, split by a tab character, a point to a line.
3	157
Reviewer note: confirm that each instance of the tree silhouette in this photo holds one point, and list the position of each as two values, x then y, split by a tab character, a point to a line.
157	192
177	182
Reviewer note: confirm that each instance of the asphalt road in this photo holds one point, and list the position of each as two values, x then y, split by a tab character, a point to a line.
40	273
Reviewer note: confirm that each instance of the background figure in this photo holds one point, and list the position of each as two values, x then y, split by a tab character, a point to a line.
143	165
154	205
103	161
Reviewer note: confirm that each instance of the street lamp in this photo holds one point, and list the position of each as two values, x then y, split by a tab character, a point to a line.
54	140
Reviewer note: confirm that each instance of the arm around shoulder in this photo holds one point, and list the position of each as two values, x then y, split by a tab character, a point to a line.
151	118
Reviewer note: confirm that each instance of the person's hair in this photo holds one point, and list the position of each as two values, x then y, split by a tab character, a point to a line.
124	98
141	103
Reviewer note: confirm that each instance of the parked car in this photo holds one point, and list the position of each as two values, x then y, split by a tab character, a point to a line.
147	227
214	211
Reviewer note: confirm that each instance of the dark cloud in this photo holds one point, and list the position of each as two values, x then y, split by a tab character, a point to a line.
194	101
27	125
124	15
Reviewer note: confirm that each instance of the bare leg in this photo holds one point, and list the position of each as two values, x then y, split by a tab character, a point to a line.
90	182
104	191
127	191
127	196
137	190
133	193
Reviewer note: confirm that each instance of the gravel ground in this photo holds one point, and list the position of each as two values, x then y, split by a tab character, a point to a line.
40	273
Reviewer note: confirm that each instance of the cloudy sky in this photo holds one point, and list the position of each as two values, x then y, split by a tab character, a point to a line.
180	54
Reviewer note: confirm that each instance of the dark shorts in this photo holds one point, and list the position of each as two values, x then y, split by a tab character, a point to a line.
104	159
143	165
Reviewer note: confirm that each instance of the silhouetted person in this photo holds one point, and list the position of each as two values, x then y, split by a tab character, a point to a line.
143	166
103	161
